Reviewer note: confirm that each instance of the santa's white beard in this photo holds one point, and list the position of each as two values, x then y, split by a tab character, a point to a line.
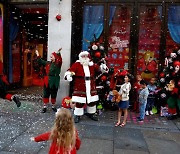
84	61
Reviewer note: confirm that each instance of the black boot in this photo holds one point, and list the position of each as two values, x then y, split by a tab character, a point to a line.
54	109
76	119
44	110
93	116
17	101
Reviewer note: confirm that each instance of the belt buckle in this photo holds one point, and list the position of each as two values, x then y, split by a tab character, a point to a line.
87	78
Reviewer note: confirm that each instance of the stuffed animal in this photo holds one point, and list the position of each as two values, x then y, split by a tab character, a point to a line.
117	96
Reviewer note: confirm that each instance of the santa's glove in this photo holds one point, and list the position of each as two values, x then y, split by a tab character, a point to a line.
104	68
68	76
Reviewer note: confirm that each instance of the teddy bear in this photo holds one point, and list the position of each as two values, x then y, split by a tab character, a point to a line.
117	97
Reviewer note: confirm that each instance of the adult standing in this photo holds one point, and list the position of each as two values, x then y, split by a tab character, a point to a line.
84	89
51	78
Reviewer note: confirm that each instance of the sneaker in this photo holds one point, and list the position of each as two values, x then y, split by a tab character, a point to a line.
137	117
150	112
76	119
44	110
17	101
140	120
147	113
54	109
93	117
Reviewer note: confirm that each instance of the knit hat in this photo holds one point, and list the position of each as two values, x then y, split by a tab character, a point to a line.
58	57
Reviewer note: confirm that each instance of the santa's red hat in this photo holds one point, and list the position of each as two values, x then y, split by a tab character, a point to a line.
84	53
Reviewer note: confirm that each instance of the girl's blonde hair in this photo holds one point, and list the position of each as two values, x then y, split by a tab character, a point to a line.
63	131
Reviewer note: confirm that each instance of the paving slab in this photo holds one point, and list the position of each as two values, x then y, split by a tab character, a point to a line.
23	144
129	139
125	151
162	146
94	131
162	135
96	146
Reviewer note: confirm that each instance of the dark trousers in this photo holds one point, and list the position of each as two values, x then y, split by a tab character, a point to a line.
150	103
47	92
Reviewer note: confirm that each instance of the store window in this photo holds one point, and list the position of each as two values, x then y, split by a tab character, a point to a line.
173	33
119	36
93	24
1	38
149	41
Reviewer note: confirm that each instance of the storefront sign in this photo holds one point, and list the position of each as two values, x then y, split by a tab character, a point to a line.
117	43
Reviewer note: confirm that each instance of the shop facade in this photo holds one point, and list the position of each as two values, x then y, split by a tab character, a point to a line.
136	34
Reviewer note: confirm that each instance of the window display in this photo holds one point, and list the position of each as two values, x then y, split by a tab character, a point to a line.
149	41
119	36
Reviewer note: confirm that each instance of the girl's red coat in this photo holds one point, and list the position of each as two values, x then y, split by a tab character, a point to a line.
54	149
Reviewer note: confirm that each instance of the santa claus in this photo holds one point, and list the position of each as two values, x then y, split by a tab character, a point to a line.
84	88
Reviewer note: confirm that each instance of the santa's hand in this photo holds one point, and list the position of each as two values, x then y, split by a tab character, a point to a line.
37	52
69	78
104	68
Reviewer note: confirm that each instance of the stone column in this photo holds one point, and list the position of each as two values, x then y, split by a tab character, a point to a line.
59	35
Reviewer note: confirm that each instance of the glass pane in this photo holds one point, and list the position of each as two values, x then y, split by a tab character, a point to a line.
149	41
1	38
119	35
173	34
93	24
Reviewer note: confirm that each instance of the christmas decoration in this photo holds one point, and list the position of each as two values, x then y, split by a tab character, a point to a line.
58	17
169	84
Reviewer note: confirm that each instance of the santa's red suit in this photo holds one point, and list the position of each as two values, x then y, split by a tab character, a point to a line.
84	89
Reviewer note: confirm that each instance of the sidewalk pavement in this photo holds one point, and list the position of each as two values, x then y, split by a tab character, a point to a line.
156	135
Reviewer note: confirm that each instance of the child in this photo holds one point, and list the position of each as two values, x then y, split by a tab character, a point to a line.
51	78
3	92
143	95
136	88
124	103
64	136
151	97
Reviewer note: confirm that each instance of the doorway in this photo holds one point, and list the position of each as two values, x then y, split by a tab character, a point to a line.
32	34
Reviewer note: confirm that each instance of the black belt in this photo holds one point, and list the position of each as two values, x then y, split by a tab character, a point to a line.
85	77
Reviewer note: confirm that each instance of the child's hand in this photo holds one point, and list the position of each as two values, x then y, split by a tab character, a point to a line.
37	52
32	139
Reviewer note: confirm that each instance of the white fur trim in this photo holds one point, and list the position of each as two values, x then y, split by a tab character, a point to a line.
83	53
91	109
83	99
94	98
78	99
79	111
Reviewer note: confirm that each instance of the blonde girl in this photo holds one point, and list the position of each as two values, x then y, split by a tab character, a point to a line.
64	136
